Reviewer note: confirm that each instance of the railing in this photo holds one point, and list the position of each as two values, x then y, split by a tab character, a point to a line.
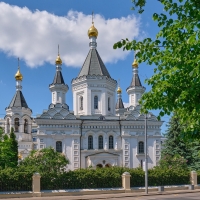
12	185
76	183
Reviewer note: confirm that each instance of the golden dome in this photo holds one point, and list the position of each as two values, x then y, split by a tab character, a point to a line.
18	76
19	156
119	90
92	32
135	64
58	60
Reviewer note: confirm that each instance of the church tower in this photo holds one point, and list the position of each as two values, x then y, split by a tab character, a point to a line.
93	89
18	114
135	90
58	88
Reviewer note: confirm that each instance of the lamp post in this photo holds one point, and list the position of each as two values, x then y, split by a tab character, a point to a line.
146	159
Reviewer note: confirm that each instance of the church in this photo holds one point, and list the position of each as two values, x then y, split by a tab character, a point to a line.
100	131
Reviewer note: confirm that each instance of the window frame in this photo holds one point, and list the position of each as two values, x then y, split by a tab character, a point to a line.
59	146
100	142
141	147
90	142
111	142
96	102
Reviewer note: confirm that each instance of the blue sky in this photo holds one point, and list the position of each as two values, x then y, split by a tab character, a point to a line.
31	30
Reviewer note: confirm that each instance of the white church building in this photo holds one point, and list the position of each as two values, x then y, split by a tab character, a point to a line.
99	131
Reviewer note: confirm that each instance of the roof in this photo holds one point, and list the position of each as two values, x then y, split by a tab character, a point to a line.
119	104
58	79
93	65
18	100
136	80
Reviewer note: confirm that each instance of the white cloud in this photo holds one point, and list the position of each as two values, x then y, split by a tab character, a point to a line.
34	36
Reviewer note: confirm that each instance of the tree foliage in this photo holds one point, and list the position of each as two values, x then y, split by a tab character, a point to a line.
45	160
176	55
177	150
8	150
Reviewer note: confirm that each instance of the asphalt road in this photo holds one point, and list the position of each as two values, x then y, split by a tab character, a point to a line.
181	196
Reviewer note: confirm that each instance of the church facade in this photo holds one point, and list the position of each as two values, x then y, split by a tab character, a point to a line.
99	131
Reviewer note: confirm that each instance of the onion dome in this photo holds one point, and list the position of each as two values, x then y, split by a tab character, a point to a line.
58	60
119	90
18	76
135	64
92	32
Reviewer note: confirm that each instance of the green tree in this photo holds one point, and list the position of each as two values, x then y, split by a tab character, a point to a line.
45	161
9	151
176	55
13	149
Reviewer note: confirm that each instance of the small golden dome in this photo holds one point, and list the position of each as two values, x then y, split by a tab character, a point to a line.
92	32
18	76
19	156
119	90
135	64
58	60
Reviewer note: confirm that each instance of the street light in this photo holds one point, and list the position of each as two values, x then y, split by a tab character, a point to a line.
146	159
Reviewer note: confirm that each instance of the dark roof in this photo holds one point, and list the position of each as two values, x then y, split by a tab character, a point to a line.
135	81
58	79
119	104
93	65
18	100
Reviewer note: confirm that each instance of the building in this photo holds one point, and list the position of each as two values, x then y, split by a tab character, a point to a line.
99	131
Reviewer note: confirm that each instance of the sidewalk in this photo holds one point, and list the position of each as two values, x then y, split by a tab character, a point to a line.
106	196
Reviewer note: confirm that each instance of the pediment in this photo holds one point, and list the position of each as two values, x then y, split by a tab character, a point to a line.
52	112
131	117
58	116
70	116
24	151
64	112
45	116
103	154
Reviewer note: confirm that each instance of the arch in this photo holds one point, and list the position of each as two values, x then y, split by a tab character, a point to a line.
81	103
100	142
8	125
109	104
99	166
25	126
108	165
59	146
90	142
111	146
16	124
141	147
96	102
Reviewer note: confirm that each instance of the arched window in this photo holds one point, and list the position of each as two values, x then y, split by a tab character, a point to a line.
8	125
59	146
81	103
25	126
100	142
90	142
96	102
110	142
108	103
16	124
141	147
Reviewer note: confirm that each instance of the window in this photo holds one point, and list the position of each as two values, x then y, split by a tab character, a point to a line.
110	142
100	142
59	146
25	126
81	103
90	142
96	102
35	146
41	140
8	126
108	103
16	124
141	147
34	139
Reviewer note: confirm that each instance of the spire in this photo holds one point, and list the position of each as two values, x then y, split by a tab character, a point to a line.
92	34
18	99
119	103
58	79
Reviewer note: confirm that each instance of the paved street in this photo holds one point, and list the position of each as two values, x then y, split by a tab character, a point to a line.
181	196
